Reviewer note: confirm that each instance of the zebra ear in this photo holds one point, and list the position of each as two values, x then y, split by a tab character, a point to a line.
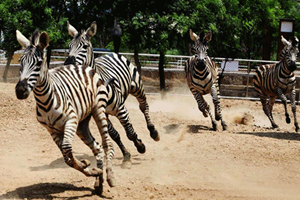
208	36
22	39
284	41
295	42
72	31
193	36
91	31
44	40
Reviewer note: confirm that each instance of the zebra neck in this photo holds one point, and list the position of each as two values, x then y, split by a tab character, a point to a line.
284	67
92	63
43	90
92	59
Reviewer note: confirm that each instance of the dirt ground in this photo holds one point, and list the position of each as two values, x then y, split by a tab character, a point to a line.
248	161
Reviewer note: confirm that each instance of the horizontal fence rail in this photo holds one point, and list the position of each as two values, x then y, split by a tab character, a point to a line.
236	82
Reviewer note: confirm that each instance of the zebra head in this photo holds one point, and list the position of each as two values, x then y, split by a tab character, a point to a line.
80	48
200	47
32	60
290	52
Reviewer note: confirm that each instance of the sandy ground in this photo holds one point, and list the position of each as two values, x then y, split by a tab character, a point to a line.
248	161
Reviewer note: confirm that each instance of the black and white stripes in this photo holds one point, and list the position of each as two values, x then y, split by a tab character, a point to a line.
66	98
126	81
202	77
277	80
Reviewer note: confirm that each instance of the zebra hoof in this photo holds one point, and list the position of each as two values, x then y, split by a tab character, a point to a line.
141	148
275	126
110	178
155	136
153	133
111	182
98	185
288	120
214	126
224	127
297	129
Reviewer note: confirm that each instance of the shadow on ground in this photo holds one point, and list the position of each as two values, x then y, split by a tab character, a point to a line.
60	163
49	191
197	128
276	135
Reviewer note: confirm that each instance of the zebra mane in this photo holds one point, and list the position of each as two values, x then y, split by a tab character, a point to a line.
34	39
201	36
79	33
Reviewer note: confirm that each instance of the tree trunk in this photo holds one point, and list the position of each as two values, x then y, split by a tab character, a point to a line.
162	72
188	48
137	61
9	58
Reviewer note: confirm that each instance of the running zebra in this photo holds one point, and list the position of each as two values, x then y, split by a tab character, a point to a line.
66	99
202	77
127	81
277	80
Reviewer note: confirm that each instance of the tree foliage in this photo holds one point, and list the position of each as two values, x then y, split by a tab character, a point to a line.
239	27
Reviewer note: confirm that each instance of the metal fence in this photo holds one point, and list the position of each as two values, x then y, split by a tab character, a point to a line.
237	73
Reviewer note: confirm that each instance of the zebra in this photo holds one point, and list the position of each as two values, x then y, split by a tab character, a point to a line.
66	99
202	77
277	80
127	81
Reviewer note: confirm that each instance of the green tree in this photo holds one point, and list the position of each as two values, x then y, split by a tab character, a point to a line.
12	18
152	24
25	15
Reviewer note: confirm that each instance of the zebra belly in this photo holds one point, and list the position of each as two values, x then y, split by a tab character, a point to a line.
53	122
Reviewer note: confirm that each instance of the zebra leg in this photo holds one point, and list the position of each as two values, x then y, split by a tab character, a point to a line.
205	109
116	137
218	109
85	135
293	105
137	90
101	121
123	116
66	149
270	106
266	110
284	101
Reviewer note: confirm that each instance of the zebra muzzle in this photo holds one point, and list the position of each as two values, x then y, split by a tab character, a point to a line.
70	60
292	67
201	64
22	89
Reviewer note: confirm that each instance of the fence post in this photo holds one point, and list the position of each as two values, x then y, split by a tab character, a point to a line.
248	71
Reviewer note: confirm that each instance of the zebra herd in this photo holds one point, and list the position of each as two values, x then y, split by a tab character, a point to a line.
69	95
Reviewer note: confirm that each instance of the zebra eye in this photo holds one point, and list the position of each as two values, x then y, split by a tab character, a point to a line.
85	46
